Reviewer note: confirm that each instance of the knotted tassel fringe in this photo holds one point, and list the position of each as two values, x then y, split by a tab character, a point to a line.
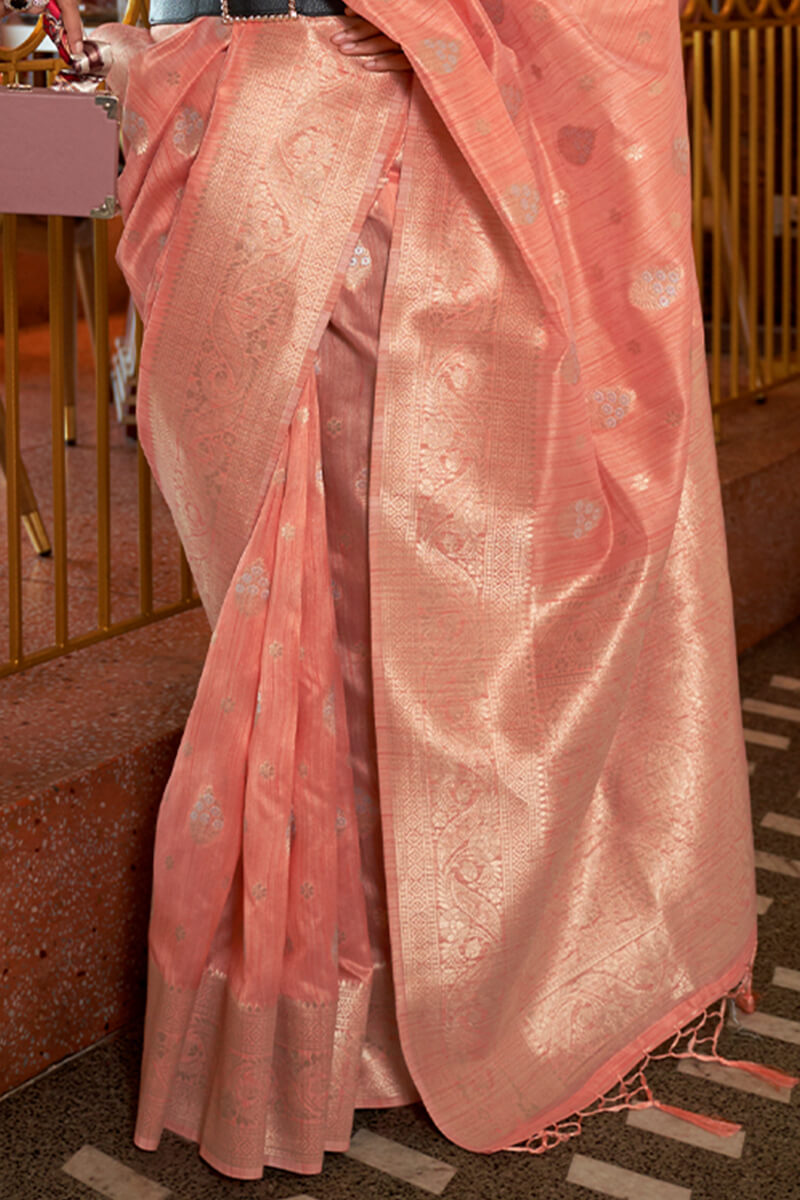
777	1079
696	1041
710	1124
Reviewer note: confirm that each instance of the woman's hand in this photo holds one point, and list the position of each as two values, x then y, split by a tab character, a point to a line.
72	25
357	37
362	39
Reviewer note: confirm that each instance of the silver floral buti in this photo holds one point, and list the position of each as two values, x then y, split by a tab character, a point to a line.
135	132
523	203
680	155
439	55
608	406
206	819
581	518
359	267
657	288
188	132
251	589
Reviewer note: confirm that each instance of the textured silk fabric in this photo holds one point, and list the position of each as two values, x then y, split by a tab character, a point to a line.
563	784
267	1027
563	790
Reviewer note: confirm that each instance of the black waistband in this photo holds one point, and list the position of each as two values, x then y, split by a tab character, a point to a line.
177	12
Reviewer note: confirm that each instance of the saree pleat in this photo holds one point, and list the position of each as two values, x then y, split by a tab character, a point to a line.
346	367
241	1057
254	1038
462	803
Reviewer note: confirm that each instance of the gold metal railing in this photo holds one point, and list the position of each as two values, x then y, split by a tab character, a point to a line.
22	510
742	62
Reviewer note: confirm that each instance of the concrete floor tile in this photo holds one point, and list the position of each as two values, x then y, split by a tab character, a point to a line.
781	712
782	823
771	1026
786	682
401	1162
110	1178
610	1180
759	737
765	861
786	978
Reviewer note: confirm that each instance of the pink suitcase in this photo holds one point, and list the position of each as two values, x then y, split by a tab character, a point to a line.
59	152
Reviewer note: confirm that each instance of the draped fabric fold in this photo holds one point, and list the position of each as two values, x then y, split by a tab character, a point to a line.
253	1021
563	789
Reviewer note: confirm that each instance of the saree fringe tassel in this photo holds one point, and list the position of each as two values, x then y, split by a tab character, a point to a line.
634	1091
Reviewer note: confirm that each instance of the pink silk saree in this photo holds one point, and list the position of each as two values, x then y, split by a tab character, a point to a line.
563	790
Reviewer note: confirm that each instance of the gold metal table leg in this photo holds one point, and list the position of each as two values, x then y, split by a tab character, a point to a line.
28	508
84	275
37	534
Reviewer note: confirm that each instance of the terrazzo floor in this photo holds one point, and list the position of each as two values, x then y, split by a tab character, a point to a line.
68	1133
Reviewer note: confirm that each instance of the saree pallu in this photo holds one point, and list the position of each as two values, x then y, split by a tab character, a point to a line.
563	812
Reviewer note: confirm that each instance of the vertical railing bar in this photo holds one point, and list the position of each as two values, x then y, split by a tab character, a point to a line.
786	176
11	350
736	315
55	253
754	372
769	199
102	400
716	207
22	512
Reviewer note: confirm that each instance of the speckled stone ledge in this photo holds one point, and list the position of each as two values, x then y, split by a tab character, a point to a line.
87	745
